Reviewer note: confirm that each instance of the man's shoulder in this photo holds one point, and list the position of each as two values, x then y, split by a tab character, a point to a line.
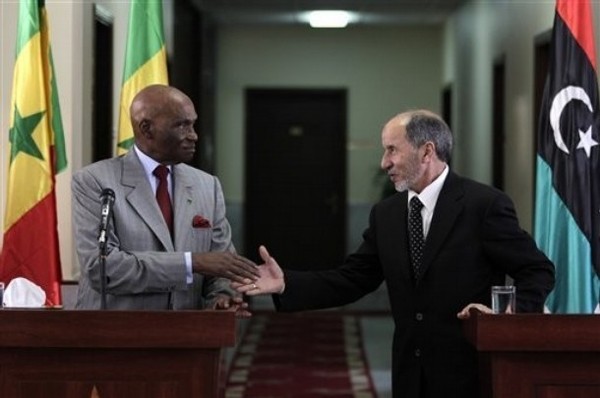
193	171
100	166
471	185
476	191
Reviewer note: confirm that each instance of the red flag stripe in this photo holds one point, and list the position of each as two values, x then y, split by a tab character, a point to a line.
577	15
31	242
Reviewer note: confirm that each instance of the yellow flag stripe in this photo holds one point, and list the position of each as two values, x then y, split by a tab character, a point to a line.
29	96
152	72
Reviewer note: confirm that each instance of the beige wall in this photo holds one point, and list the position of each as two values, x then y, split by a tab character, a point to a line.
474	38
385	70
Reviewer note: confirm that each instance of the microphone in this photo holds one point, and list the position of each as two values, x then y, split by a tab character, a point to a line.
108	198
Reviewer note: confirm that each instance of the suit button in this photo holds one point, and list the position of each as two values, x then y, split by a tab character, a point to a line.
417	352
419	316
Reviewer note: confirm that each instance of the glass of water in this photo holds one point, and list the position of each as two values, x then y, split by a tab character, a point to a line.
504	299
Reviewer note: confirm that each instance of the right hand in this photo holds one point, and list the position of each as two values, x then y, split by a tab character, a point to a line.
466	312
225	265
271	278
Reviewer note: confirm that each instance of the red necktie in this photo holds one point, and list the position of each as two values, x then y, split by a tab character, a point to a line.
162	195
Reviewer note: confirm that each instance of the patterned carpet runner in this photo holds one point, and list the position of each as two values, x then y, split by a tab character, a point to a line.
303	355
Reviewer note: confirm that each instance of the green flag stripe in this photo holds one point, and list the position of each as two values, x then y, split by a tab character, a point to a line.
145	34
126	144
577	287
28	23
60	162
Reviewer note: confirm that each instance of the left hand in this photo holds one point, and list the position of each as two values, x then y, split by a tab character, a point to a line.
465	313
237	303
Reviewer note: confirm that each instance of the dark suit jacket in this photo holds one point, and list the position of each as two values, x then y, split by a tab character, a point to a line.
474	241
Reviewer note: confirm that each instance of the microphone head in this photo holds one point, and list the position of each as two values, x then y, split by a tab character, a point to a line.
107	193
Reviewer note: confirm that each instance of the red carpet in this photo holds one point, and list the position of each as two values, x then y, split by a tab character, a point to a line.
303	355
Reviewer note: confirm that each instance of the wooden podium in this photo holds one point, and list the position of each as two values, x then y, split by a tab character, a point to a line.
112	354
536	355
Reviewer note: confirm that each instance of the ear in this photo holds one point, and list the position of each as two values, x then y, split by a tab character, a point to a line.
428	151
146	128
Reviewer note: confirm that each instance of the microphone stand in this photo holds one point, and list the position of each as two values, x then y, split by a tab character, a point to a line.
108	198
103	271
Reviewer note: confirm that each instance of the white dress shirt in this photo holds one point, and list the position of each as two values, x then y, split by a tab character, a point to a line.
429	197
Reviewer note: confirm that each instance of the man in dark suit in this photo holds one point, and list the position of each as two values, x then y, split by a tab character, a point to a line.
443	257
174	257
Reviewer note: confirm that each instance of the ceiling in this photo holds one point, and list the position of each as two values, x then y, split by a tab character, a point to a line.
366	12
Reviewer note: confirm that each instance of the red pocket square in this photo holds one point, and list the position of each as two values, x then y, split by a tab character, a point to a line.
200	222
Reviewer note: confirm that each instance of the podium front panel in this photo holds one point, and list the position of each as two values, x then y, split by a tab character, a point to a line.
112	354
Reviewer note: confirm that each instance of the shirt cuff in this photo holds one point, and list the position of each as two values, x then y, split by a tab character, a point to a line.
189	278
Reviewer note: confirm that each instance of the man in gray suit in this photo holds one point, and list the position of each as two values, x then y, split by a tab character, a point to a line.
154	262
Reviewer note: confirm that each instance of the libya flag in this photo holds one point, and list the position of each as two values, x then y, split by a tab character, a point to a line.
36	153
567	201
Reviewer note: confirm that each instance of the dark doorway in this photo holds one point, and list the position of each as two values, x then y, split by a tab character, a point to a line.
296	176
447	105
540	74
102	115
498	130
191	69
446	112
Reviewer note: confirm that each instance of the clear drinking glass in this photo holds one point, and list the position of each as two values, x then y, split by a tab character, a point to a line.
504	299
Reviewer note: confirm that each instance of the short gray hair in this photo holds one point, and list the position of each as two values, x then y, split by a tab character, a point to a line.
423	126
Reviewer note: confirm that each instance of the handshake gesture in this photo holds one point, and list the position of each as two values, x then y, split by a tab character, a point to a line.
270	280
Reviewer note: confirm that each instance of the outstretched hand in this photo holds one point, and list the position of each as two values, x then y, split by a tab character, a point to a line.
225	265
271	278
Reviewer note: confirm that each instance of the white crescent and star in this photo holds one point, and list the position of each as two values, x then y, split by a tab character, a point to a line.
562	98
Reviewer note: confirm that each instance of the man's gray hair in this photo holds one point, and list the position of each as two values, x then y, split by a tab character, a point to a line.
423	126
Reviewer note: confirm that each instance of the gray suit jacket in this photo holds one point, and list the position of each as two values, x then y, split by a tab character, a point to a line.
145	269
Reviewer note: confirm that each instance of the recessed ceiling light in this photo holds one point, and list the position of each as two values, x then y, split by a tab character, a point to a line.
328	19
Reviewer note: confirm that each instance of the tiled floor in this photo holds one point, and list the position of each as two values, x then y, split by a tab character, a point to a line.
377	335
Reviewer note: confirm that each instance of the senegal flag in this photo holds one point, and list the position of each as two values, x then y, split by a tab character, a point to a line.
145	61
37	152
567	204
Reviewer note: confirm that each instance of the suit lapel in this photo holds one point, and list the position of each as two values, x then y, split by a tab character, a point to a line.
447	210
140	198
395	228
183	205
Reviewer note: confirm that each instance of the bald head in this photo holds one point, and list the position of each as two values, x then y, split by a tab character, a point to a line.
162	118
151	101
404	118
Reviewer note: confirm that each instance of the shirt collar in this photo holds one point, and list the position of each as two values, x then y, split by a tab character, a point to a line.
430	194
148	163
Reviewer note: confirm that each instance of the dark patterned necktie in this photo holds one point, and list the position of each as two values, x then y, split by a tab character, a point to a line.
415	235
162	195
